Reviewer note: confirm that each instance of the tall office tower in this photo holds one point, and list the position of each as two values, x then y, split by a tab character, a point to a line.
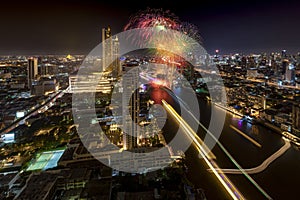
110	52
296	117
284	67
290	73
130	109
106	47
32	70
244	62
116	56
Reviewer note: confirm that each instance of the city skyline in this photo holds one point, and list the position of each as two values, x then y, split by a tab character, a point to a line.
67	27
202	124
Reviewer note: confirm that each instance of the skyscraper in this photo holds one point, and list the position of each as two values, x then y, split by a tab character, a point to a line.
284	66
296	117
116	56
32	70
106	47
110	52
130	108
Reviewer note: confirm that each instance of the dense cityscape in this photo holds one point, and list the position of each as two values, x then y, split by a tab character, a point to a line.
161	121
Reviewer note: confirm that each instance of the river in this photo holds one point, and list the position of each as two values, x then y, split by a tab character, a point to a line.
281	178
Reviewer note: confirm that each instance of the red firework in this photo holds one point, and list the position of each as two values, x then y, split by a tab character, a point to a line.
153	17
164	20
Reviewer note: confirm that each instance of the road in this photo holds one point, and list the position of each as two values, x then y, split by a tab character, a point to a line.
250	179
262	166
274	84
210	162
12	181
39	108
205	154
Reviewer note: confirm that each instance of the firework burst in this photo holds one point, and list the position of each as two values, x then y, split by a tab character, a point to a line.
162	20
153	18
162	30
190	30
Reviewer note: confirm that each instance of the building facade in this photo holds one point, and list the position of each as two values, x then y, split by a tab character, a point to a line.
130	109
32	71
110	52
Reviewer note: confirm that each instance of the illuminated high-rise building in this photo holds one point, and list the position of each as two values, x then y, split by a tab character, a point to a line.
116	56
110	52
284	68
106	47
290	73
32	70
130	109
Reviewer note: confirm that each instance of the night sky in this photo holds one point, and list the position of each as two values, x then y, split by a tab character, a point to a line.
63	27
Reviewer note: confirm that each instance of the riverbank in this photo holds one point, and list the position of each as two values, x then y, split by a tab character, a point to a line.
248	156
228	109
294	139
269	125
260	121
